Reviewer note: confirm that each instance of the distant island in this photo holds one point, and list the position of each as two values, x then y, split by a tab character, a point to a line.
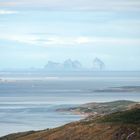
74	65
98	64
66	65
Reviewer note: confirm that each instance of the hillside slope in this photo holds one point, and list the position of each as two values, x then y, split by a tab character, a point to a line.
117	126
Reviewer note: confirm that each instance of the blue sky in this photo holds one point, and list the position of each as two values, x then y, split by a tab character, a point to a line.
33	32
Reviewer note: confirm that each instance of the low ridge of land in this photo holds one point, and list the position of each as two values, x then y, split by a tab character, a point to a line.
100	108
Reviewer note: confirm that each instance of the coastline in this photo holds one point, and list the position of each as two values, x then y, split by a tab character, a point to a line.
124	123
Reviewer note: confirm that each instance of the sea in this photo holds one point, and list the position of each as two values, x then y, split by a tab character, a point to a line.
30	100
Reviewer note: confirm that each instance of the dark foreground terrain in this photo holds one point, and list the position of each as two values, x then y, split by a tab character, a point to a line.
123	125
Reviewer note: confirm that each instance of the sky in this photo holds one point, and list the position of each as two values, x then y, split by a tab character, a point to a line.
32	32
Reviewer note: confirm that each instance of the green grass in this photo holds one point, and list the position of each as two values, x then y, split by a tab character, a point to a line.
130	116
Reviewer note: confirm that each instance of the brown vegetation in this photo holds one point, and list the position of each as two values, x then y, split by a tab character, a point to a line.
100	128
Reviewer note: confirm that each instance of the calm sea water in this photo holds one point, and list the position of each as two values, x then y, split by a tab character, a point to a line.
29	101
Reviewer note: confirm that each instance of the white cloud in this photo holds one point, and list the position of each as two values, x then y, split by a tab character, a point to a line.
83	40
28	39
47	41
76	4
7	12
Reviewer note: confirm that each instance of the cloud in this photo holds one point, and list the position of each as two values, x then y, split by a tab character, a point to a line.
48	41
7	12
27	39
83	40
97	5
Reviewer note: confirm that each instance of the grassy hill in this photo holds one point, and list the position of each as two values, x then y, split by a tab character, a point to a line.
100	108
123	125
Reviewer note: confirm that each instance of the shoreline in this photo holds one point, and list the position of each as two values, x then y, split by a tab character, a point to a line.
89	127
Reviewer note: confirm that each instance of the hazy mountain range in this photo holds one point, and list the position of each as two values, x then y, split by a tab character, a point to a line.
72	65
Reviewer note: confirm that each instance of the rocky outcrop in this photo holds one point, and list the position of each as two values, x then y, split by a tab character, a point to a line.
67	65
98	64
